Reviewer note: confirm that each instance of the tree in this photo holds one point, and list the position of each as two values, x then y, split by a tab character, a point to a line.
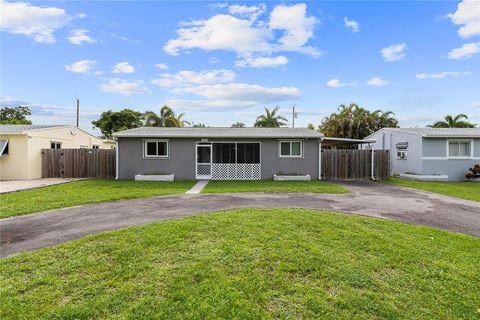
15	115
271	119
113	121
453	122
354	122
167	118
198	125
238	125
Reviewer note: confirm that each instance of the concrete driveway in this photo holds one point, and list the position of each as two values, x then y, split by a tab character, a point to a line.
367	198
17	185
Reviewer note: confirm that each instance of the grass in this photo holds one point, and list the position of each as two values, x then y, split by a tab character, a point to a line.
84	192
250	264
463	190
273	186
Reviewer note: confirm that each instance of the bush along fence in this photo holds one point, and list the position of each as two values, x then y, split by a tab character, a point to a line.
347	164
78	163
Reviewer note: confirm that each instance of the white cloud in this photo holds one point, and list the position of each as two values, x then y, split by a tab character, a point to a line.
377	82
243	92
394	52
297	28
262	62
335	83
249	12
288	29
124	87
81	66
123	67
191	78
466	51
441	75
474	105
161	66
351	24
232	96
81	15
467	15
79	36
38	23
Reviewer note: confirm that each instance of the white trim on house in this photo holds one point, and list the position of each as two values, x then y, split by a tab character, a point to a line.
459	141
290	155
167	148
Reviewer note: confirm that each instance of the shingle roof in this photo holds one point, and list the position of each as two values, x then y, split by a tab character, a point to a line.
440	132
21	128
163	132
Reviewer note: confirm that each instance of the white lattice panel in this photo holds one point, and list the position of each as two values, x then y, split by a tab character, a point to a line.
203	169
236	171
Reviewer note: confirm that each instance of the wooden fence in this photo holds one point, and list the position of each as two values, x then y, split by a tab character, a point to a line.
78	163
354	164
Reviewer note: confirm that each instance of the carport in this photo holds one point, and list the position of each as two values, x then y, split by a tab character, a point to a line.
352	164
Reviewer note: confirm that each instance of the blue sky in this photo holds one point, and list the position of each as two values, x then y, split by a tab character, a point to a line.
222	62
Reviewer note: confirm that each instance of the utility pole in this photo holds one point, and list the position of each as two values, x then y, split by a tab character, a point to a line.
294	116
78	110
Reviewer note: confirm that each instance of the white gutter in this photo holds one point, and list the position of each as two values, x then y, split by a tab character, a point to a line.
116	160
320	160
373	162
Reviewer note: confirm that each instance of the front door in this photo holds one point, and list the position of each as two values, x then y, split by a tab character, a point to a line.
204	161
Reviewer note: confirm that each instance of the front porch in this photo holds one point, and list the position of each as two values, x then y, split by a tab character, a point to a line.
228	161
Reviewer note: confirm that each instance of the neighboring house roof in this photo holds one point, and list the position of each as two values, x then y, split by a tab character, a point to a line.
438	132
26	128
167	132
23	128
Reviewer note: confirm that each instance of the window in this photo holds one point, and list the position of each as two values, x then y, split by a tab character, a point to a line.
248	152
459	149
156	149
55	145
95	146
291	149
3	147
401	154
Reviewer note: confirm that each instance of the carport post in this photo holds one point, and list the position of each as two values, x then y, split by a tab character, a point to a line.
320	160
373	162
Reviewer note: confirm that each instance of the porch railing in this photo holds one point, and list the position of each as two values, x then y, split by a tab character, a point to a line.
236	171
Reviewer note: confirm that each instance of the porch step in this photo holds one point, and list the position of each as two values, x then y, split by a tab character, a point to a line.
198	187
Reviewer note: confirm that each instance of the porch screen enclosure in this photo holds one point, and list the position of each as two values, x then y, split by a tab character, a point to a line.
228	161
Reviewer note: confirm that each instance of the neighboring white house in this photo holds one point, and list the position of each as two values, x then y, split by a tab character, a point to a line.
442	153
21	145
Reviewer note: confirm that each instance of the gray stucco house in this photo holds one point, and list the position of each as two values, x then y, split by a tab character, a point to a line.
430	153
218	153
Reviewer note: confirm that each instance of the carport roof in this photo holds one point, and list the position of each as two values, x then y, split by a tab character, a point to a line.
212	132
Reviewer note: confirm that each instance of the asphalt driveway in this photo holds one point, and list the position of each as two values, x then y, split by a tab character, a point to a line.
34	231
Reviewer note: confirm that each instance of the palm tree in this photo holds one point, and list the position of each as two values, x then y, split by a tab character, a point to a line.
167	118
238	125
453	122
271	119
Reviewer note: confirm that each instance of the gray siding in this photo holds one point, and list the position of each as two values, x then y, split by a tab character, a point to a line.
454	168
387	139
434	147
182	158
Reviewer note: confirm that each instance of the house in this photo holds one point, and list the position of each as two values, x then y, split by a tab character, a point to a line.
430	153
218	153
21	146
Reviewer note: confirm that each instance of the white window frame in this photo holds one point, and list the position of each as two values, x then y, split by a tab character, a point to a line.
459	141
167	143
56	142
4	147
290	155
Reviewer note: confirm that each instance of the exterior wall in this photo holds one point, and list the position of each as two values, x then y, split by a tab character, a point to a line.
435	159
387	139
14	165
181	161
25	160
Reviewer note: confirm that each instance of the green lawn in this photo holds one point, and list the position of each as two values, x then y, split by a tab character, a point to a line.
464	190
250	264
83	192
273	186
